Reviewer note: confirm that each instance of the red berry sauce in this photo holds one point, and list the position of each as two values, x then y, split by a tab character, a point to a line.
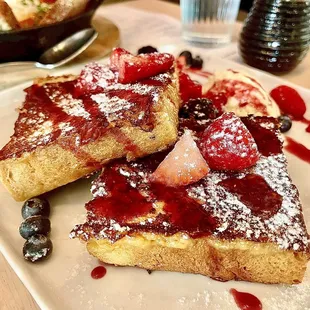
266	139
181	212
241	91
255	193
189	89
223	203
98	272
306	122
297	149
119	206
246	301
63	113
199	72
218	99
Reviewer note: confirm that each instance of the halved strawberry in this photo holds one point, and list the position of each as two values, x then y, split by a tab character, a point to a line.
183	165
115	57
189	89
93	78
134	68
289	101
228	145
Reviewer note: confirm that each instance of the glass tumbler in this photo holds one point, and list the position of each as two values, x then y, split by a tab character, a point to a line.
208	22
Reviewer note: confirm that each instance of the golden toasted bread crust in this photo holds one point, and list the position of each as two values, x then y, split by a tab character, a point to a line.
219	259
52	166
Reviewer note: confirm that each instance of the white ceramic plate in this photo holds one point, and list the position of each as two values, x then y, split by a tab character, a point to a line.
64	282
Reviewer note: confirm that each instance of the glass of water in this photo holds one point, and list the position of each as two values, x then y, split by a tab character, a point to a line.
209	22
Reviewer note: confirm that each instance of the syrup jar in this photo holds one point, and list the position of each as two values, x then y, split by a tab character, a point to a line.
276	34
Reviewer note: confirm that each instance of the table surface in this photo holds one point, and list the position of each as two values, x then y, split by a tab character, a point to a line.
13	294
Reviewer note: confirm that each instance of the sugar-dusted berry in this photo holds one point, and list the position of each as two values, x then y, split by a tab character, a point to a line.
228	145
183	165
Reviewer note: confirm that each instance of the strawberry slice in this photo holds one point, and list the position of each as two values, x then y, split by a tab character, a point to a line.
189	89
115	57
228	145
183	165
289	101
93	78
134	68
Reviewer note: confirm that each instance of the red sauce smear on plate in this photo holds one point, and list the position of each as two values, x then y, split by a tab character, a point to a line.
199	72
307	122
241	91
246	301
297	149
98	272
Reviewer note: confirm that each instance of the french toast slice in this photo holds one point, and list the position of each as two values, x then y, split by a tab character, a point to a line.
69	126
243	225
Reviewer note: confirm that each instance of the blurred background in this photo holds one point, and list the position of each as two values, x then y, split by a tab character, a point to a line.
244	6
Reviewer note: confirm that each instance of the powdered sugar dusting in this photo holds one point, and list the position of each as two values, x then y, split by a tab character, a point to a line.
285	228
82	109
71	106
95	75
136	88
229	135
112	107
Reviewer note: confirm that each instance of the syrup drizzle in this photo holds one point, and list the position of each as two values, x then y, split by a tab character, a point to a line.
182	213
307	122
255	193
67	114
246	301
98	272
297	149
267	140
198	209
199	72
240	90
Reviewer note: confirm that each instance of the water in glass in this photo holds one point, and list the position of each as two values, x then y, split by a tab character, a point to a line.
208	21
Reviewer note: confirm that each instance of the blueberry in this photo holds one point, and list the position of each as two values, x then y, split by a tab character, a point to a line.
147	50
33	225
37	247
197	63
285	123
188	57
200	109
35	206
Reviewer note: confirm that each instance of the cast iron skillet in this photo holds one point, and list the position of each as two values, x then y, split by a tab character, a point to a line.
29	44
